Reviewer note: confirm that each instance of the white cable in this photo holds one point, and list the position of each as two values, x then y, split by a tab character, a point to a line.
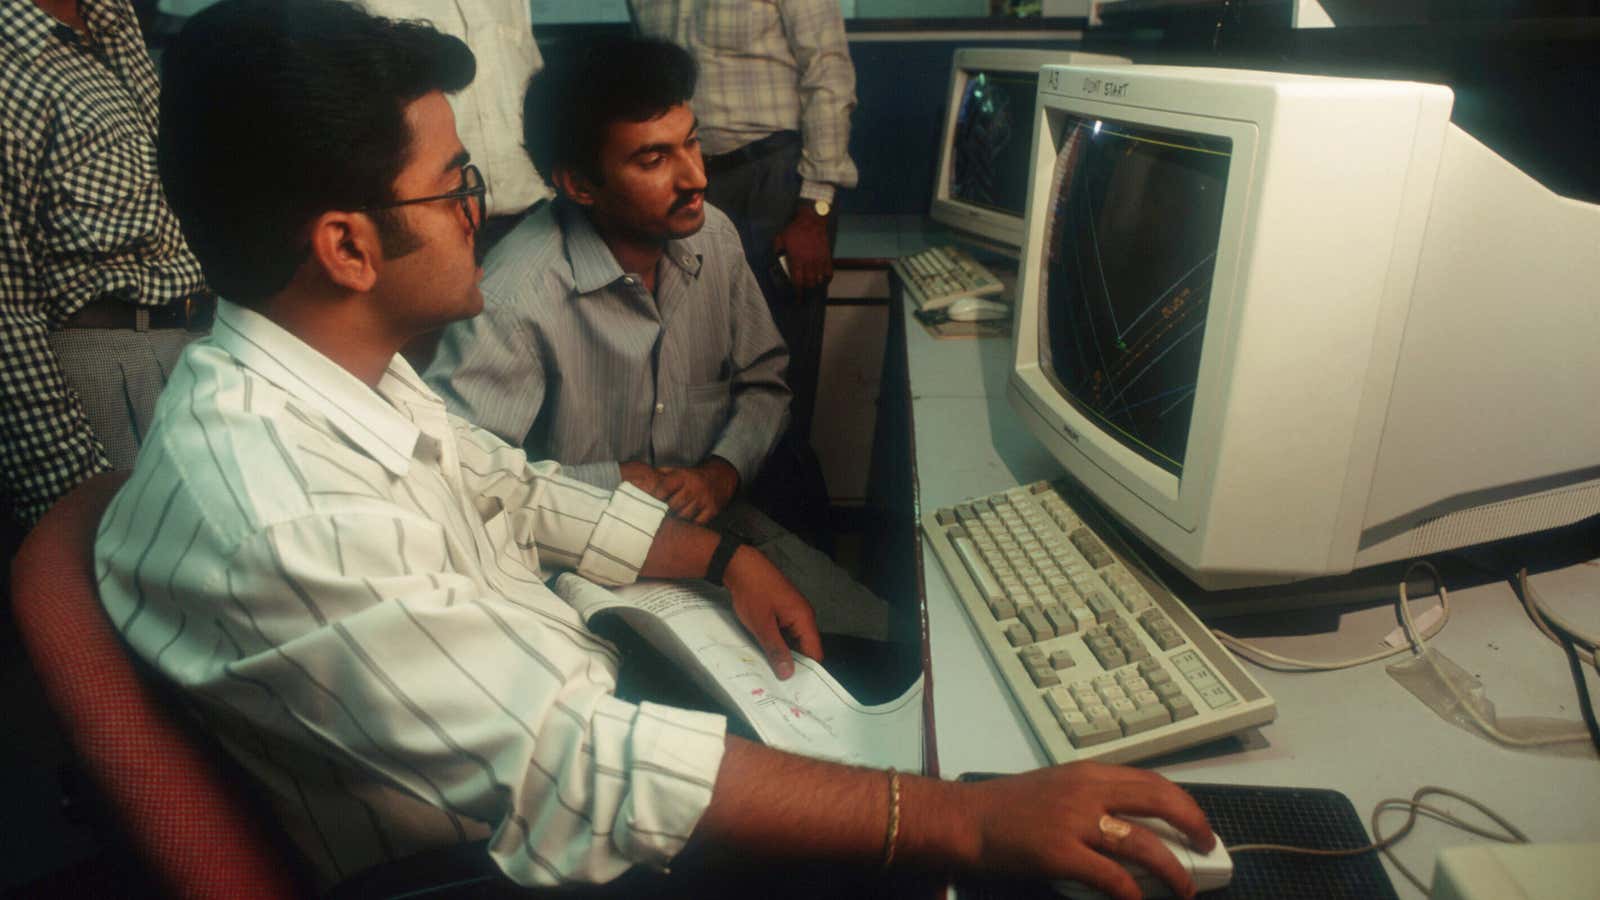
1542	619
1267	658
1418	643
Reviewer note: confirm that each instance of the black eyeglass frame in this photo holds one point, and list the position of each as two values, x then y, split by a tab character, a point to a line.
463	195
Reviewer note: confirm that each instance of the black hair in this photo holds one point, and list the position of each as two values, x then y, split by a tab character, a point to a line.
275	111
570	104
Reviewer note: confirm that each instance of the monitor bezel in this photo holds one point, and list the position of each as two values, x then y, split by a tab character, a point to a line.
1182	500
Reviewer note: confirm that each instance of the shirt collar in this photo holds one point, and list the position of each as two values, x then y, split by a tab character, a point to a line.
25	26
368	419
593	266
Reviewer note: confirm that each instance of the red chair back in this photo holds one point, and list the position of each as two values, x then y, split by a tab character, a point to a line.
194	826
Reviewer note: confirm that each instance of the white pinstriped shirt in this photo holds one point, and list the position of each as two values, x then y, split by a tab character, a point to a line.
767	66
575	360
489	110
349	584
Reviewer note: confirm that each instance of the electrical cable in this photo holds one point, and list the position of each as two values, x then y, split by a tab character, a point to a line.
1267	659
1418	643
1510	834
1547	622
1584	705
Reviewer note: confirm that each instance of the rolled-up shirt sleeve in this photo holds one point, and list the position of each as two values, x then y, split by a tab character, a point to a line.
603	535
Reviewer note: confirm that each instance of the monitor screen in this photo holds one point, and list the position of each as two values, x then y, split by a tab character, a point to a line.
1130	244
992	140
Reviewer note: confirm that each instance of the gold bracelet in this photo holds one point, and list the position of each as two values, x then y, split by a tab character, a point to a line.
893	832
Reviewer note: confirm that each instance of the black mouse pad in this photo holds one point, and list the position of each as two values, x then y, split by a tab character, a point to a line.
1241	814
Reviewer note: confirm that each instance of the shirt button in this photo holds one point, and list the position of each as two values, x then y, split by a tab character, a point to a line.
661	408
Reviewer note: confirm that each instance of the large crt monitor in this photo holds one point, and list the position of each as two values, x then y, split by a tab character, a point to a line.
981	184
1290	326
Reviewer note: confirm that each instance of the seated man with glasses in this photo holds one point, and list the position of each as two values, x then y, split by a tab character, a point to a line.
348	583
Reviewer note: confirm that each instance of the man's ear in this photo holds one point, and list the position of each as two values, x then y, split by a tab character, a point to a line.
575	185
346	248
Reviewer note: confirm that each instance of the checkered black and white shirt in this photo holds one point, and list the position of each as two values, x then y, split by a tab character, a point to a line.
82	216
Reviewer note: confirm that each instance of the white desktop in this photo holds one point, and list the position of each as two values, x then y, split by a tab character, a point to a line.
1289	326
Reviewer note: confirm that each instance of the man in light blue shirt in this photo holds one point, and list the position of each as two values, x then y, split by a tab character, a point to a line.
623	333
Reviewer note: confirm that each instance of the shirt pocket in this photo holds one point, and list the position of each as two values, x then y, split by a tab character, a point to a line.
707	408
733	24
108	202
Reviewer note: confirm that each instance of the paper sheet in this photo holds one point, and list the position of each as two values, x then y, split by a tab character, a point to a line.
810	714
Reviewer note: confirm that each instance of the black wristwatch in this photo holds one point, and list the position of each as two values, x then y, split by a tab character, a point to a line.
726	548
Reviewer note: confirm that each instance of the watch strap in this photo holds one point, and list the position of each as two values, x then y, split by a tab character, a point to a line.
718	567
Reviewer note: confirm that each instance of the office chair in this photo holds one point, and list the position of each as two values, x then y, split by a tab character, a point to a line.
165	781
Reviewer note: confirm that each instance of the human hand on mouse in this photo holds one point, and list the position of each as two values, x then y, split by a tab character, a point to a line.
1065	822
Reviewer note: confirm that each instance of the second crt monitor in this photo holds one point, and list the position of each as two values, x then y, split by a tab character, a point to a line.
1288	326
981	183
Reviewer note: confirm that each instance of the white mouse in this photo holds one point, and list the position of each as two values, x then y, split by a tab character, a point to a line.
1210	871
976	309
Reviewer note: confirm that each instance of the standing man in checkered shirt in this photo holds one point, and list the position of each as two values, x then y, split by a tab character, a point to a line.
97	287
774	100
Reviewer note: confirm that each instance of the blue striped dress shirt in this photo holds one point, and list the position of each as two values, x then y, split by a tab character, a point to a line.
575	360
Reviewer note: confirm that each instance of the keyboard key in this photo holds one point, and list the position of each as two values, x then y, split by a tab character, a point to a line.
1059	619
1060	701
1017	634
1112	658
988	588
1081	615
1100	606
1002	608
1180	707
1090	732
1061	659
1033	617
1143	718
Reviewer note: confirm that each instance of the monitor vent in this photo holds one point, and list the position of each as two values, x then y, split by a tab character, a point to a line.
1508	518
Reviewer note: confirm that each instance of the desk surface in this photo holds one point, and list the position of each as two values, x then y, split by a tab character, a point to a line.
1356	731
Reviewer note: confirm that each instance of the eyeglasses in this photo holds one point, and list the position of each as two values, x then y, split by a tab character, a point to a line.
470	195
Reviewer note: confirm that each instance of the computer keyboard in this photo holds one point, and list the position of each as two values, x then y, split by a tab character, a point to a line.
1104	663
935	277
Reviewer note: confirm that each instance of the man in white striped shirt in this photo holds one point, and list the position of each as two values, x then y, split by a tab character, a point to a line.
348	583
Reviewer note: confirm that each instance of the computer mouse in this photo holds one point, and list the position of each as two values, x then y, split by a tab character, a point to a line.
976	309
1210	871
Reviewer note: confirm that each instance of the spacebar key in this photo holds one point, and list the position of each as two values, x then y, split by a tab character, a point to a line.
987	586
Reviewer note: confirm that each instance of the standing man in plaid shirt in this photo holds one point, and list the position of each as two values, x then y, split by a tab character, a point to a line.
774	101
98	290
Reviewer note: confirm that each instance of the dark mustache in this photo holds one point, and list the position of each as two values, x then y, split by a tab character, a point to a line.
683	200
